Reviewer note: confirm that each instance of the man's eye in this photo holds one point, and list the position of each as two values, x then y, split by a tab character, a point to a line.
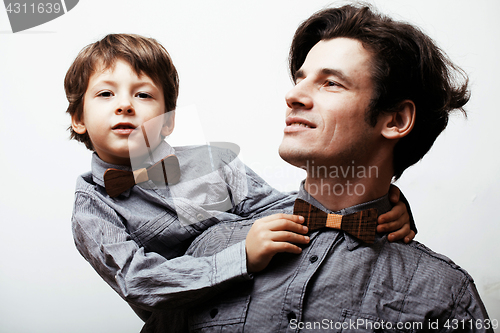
105	94
143	95
331	83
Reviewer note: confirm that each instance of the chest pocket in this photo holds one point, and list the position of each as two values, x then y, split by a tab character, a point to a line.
227	316
201	198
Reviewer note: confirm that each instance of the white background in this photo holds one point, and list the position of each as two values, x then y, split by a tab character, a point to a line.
232	61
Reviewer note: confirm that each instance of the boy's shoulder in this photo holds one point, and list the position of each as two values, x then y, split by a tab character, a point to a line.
199	161
85	181
86	186
216	152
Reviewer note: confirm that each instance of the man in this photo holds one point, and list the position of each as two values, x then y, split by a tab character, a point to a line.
370	97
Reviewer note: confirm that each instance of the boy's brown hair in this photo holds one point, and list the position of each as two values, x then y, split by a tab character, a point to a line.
145	55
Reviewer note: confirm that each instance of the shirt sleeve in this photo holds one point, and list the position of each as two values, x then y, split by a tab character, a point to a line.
146	279
251	195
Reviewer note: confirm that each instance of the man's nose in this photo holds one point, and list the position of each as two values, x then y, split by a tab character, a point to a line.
125	106
299	96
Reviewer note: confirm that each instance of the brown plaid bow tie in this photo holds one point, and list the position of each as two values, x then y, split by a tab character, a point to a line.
362	225
165	171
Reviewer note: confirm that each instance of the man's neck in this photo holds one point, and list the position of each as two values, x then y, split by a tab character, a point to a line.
342	189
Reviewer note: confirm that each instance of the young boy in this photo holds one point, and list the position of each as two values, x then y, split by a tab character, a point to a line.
135	237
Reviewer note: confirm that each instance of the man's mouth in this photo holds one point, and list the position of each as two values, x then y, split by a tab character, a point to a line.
300	124
295	124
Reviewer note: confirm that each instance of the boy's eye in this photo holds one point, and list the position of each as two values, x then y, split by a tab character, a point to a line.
143	95
105	94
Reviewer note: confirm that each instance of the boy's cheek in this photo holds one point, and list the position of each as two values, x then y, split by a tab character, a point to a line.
140	143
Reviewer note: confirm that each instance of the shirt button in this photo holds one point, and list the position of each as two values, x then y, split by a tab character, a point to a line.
200	217
313	259
291	315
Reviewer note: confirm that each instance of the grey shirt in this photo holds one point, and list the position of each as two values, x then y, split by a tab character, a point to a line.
136	241
339	284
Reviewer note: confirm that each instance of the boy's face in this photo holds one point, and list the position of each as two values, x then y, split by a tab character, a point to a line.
116	102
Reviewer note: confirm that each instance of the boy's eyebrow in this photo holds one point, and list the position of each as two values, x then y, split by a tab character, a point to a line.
138	84
110	82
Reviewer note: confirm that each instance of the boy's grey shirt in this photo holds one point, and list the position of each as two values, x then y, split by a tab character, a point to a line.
136	241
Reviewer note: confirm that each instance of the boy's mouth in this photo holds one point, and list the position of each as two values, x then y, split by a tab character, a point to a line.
123	128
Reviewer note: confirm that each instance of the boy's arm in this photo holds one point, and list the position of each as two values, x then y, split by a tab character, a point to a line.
250	193
146	279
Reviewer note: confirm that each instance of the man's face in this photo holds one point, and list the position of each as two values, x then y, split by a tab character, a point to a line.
116	102
325	119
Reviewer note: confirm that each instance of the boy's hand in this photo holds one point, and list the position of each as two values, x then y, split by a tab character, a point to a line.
273	234
396	220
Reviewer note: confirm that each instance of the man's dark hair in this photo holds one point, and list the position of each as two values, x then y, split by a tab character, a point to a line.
407	65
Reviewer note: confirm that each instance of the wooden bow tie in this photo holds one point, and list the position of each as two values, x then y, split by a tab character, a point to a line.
362	225
166	171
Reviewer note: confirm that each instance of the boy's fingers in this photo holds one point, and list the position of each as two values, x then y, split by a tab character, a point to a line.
387	227
399	234
288	217
393	215
287	247
410	236
394	193
290	237
287	225
297	218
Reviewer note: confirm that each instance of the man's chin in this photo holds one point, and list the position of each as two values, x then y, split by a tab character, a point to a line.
293	155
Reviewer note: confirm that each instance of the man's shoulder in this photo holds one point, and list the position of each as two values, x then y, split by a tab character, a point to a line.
420	278
432	261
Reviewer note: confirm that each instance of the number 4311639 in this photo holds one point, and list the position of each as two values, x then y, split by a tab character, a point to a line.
40	8
471	324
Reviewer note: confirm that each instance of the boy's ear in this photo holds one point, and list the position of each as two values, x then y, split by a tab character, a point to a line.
396	125
169	124
78	124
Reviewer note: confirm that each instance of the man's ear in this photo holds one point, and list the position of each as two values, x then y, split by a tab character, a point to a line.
396	125
78	124
169	124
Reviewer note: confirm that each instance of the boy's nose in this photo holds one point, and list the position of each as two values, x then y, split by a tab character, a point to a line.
125	107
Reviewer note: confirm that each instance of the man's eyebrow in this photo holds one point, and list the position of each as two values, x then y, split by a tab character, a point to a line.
326	71
336	72
298	75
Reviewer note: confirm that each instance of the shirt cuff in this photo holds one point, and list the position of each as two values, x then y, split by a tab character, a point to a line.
231	263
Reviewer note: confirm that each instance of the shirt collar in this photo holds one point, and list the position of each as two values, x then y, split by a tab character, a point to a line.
382	204
99	167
